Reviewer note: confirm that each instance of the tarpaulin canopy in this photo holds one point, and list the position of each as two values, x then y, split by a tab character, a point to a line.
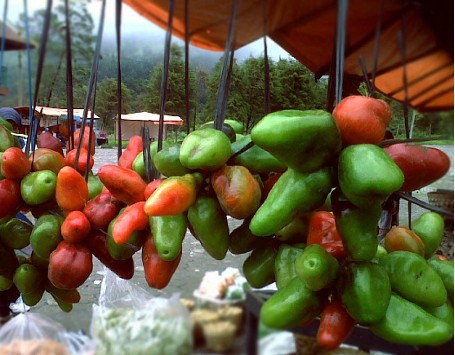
414	51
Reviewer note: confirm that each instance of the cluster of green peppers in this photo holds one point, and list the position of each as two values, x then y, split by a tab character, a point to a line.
315	230
401	296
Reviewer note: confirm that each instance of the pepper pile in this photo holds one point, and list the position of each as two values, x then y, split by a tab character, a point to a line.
309	190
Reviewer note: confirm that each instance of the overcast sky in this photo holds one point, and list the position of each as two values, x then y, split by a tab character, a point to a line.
132	22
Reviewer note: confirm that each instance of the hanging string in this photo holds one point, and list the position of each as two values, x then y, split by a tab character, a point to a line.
340	48
118	25
377	39
92	82
90	137
402	46
165	77
69	79
266	61
31	140
223	89
2	45
147	158
377	42
187	61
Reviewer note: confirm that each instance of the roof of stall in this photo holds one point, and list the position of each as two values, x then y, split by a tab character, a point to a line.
152	117
418	33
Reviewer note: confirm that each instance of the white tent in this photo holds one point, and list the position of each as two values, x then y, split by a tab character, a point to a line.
132	123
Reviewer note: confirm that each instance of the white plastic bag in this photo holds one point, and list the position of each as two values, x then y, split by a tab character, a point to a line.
33	333
129	320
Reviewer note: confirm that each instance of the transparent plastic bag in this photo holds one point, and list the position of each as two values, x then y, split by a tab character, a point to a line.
33	333
129	320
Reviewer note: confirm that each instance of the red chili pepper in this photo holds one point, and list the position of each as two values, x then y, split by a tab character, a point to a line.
322	230
335	325
133	218
124	184
158	272
133	148
173	196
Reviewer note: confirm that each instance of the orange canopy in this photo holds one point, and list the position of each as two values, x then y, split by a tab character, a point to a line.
306	29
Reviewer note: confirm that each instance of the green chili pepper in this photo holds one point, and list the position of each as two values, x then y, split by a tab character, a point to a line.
412	278
285	269
256	159
208	223
242	240
356	226
303	140
168	233
29	279
429	226
296	231
444	312
406	323
46	235
8	266
294	193
259	267
38	187
444	268
367	175
206	149
126	250
7	140
95	186
316	267
293	305
365	290
167	161
16	233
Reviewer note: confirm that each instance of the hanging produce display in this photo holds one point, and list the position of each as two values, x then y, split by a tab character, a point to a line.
310	207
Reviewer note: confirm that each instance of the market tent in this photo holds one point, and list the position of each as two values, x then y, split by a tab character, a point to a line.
50	117
132	123
13	41
418	34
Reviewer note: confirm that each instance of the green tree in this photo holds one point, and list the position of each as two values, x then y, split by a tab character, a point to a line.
234	107
175	94
294	87
53	81
107	102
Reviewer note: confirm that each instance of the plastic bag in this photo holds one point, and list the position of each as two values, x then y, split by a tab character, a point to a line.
129	320
33	333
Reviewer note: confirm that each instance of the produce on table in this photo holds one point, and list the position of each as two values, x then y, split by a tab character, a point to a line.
309	200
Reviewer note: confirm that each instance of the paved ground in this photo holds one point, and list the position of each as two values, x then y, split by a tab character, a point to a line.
195	262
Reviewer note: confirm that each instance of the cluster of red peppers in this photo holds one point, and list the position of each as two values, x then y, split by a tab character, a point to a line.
309	191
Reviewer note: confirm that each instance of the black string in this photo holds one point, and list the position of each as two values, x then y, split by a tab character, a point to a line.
90	138
266	61
228	58
69	79
187	61
377	42
145	134
164	78
340	48
118	24
411	199
92	81
42	52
